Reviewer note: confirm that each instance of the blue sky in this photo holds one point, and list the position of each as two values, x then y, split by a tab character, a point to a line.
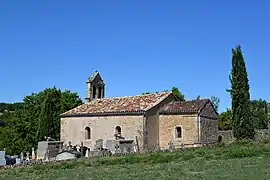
136	45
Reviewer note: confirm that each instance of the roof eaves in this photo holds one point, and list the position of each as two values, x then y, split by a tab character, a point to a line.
117	113
179	112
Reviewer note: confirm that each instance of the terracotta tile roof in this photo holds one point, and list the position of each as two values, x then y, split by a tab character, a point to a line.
120	105
193	106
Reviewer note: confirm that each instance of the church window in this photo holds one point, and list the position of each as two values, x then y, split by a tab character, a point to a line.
178	132
118	130
87	133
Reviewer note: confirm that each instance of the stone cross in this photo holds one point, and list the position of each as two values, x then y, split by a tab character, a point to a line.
78	148
33	154
171	146
182	147
69	145
81	149
117	150
47	155
134	146
27	156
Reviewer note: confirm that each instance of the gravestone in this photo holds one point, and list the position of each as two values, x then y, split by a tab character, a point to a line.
2	158
27	156
135	148
18	161
171	146
46	157
33	154
87	153
78	148
52	146
21	156
126	146
69	146
110	144
182	147
65	147
99	144
117	149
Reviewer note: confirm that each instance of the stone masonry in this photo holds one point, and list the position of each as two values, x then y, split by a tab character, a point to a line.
73	129
189	126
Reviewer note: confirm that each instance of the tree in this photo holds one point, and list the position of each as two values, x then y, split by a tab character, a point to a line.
259	112
198	97
215	101
243	127
13	133
48	120
38	116
225	120
178	95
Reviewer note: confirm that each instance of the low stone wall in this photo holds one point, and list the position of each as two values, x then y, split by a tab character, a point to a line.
227	136
262	135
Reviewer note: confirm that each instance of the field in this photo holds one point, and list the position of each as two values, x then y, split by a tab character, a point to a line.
236	161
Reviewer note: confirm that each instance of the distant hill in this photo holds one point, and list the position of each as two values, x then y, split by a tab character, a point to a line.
7	107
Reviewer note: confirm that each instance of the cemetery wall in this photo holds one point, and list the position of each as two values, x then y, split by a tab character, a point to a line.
227	136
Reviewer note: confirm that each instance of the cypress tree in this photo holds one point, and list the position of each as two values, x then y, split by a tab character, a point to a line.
243	127
46	118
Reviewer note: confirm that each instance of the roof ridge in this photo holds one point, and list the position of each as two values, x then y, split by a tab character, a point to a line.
159	101
193	100
204	104
119	105
121	97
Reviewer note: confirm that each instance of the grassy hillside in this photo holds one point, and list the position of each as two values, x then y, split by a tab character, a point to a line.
242	161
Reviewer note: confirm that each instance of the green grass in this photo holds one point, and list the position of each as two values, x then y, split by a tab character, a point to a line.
236	161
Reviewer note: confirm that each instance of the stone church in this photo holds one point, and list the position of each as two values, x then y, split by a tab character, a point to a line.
151	120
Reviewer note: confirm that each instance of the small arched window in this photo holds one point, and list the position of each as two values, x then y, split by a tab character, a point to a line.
87	133
118	130
178	132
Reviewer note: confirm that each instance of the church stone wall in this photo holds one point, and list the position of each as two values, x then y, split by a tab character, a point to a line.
209	124
209	130
73	129
152	127
167	125
152	123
